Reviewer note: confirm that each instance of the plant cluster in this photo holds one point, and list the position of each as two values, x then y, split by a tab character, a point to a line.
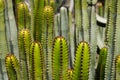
60	39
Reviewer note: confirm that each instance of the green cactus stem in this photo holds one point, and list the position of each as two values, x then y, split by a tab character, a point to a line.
4	46
60	59
85	20
78	21
47	38
117	67
36	62
100	71
57	24
24	41
37	21
116	37
82	62
23	16
52	3
12	67
93	41
70	73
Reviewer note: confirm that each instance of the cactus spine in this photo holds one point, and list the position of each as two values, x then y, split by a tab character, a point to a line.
82	62
60	59
36	62
13	67
24	41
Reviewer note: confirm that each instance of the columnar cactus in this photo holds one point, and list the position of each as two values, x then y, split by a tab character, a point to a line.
37	19
23	16
47	37
13	67
117	68
60	59
100	71
36	62
24	41
82	62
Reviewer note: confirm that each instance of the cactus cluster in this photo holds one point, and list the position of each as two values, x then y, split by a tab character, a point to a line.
59	39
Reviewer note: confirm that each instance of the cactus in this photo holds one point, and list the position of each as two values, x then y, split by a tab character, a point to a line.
117	68
75	23
47	37
78	28
13	67
37	21
36	62
24	41
82	62
60	59
70	73
4	48
23	20
100	71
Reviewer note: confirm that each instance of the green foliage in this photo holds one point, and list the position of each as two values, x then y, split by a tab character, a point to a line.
82	62
60	59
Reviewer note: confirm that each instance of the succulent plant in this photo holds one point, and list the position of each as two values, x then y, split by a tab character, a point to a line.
47	37
24	42
100	71
36	62
23	16
82	21
117	67
82	62
60	59
13	67
37	19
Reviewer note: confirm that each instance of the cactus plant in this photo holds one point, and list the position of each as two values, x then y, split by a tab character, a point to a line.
24	41
47	37
13	67
60	59
37	21
82	62
75	23
23	18
100	71
117	67
36	62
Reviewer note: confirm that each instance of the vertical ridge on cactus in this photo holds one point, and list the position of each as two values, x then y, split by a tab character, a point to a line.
82	62
60	59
